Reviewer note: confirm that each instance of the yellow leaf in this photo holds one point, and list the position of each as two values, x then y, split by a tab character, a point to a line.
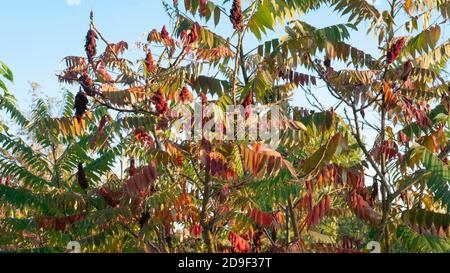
408	7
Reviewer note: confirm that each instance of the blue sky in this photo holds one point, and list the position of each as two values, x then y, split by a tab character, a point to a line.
36	35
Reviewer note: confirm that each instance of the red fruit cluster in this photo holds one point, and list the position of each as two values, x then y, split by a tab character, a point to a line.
149	63
160	102
185	95
81	177
236	16
81	102
394	52
87	84
91	45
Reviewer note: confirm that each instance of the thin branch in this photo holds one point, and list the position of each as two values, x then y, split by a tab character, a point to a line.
236	66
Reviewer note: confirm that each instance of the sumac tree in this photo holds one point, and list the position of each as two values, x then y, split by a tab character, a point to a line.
113	174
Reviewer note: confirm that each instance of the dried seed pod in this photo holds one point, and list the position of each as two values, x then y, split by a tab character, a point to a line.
87	84
81	176
236	16
185	95
91	45
160	102
81	102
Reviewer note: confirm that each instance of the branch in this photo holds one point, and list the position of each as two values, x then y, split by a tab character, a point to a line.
357	135
120	110
236	66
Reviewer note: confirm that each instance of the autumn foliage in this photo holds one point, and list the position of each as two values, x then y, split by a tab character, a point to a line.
114	172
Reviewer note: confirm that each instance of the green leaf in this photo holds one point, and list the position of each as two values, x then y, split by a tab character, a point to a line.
216	16
439	181
325	153
6	72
